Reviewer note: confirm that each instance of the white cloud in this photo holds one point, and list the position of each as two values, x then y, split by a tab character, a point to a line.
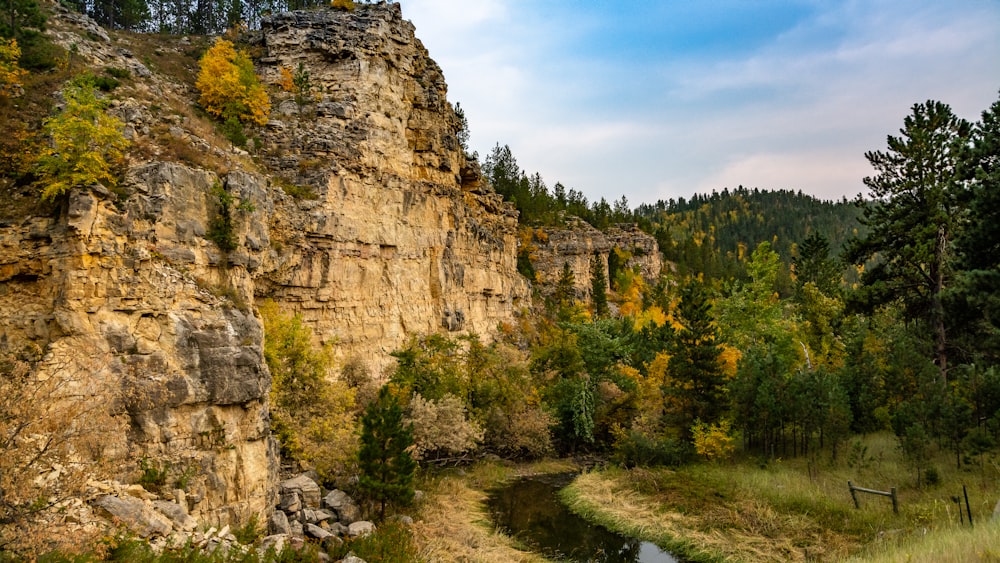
797	112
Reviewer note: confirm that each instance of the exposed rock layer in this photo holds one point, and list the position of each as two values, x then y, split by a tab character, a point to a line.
402	239
578	242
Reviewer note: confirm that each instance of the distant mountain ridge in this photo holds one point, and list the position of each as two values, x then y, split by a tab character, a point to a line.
713	234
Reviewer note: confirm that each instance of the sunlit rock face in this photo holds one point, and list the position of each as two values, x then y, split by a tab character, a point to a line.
358	209
134	290
402	237
577	243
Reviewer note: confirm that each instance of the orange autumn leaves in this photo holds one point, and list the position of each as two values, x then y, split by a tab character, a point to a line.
229	87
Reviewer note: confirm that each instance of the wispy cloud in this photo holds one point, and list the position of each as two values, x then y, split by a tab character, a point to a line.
641	101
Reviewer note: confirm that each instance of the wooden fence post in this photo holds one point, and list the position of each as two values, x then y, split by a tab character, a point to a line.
891	494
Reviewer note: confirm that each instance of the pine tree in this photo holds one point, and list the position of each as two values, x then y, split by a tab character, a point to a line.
694	366
565	287
813	264
914	215
598	286
979	245
386	465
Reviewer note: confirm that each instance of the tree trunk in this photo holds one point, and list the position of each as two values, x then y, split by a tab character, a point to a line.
937	308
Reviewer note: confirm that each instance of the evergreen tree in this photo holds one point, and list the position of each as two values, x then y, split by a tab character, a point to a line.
20	19
387	468
914	215
598	286
565	288
694	367
979	245
813	264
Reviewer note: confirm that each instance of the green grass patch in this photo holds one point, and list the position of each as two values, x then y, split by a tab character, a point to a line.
795	510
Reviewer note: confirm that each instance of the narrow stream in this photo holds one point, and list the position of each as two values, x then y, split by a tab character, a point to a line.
529	510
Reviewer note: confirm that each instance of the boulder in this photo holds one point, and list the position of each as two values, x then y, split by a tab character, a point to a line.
306	488
136	515
335	499
314	531
177	515
360	528
349	513
278	523
290	502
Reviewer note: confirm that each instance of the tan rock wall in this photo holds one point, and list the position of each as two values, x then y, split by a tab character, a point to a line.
401	240
578	242
140	288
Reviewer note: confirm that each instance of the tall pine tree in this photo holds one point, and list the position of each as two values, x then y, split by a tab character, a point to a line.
914	213
698	381
386	466
598	286
979	245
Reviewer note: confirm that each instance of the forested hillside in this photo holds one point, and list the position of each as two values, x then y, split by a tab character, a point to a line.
713	234
710	235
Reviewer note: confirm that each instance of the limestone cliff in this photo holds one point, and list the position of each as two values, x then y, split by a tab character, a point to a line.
402	239
394	237
576	244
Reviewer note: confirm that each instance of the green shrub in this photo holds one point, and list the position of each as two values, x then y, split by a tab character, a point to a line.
119	73
932	477
154	475
639	450
249	532
391	543
233	130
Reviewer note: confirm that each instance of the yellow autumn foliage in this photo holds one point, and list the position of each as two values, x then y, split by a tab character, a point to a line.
86	145
229	87
729	357
287	81
312	415
11	74
713	441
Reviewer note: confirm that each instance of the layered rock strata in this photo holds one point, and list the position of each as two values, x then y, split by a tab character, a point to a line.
361	212
578	242
401	238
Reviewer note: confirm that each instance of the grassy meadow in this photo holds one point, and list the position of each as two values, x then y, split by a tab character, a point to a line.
799	509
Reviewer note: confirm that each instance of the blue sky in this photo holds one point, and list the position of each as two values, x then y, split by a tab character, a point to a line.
663	99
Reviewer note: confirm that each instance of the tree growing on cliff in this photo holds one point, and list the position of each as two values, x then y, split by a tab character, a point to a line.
86	145
11	74
387	468
229	87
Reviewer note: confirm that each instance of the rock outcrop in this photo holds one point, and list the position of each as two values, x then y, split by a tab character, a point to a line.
137	291
578	242
402	239
399	239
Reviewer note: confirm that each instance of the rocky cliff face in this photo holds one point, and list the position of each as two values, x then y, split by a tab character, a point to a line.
401	239
140	290
578	242
395	237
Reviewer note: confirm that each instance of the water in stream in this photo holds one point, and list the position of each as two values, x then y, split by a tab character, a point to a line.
529	510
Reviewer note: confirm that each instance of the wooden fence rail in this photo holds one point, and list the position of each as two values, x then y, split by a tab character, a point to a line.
891	494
